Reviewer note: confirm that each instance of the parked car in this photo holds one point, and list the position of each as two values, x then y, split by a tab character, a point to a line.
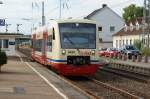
102	51
104	62
110	52
130	50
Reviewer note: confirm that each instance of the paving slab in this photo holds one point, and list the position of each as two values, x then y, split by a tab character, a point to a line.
18	81
127	62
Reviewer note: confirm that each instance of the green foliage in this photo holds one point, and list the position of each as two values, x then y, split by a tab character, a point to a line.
132	12
146	51
3	58
138	44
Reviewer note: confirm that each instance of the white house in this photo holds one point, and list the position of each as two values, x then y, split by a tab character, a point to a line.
108	23
133	30
8	42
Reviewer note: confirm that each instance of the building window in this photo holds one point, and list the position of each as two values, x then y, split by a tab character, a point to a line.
5	43
130	42
123	42
116	43
100	40
126	42
119	43
99	28
112	28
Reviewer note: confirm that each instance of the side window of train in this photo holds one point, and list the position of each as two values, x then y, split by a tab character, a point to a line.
49	43
33	43
53	34
38	45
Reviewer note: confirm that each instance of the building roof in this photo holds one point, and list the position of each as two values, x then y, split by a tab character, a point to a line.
139	20
93	13
122	32
135	31
104	6
11	34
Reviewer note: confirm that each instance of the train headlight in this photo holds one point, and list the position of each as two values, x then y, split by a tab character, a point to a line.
63	52
93	52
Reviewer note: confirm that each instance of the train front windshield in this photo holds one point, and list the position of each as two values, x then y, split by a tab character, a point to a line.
78	35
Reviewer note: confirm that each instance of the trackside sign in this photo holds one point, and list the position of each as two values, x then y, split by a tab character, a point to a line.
2	22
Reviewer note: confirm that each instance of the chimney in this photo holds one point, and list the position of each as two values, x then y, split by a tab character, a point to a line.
104	5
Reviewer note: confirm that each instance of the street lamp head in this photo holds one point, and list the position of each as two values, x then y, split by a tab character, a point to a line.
1	2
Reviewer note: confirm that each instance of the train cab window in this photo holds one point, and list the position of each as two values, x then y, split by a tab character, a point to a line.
53	34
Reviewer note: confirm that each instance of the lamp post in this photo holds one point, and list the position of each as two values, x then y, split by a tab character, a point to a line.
43	16
60	9
18	27
7	27
1	2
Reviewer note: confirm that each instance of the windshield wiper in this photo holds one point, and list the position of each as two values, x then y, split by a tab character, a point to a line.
70	40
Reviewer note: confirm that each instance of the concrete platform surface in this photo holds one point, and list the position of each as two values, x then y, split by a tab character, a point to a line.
128	62
18	81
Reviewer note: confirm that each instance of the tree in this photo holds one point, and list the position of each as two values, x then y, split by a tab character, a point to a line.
132	12
3	59
144	50
138	44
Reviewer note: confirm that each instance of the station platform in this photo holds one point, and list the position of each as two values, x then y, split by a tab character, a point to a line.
18	81
130	63
127	62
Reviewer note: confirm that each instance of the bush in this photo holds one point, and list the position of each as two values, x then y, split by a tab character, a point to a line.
3	58
138	44
146	51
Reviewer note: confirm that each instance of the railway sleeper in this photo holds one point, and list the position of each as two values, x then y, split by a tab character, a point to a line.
130	68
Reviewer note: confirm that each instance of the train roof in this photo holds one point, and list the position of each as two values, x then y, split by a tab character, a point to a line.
44	28
74	20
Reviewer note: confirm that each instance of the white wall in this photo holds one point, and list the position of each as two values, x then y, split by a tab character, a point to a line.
10	51
127	37
105	45
106	18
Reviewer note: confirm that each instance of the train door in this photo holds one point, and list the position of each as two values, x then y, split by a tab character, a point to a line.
50	44
33	46
44	47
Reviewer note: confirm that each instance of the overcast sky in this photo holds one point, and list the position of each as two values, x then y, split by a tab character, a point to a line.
14	11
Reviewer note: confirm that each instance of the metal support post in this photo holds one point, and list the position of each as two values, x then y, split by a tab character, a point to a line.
18	28
43	16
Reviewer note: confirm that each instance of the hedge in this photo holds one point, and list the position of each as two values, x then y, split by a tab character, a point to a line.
3	58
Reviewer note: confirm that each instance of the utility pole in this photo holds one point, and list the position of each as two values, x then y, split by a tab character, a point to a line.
144	22
43	16
146	14
148	34
18	28
1	2
7	27
60	9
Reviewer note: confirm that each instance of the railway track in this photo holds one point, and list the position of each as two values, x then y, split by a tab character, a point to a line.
100	90
130	85
133	75
26	51
111	86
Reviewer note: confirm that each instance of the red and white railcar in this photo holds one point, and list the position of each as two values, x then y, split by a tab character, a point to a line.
69	46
